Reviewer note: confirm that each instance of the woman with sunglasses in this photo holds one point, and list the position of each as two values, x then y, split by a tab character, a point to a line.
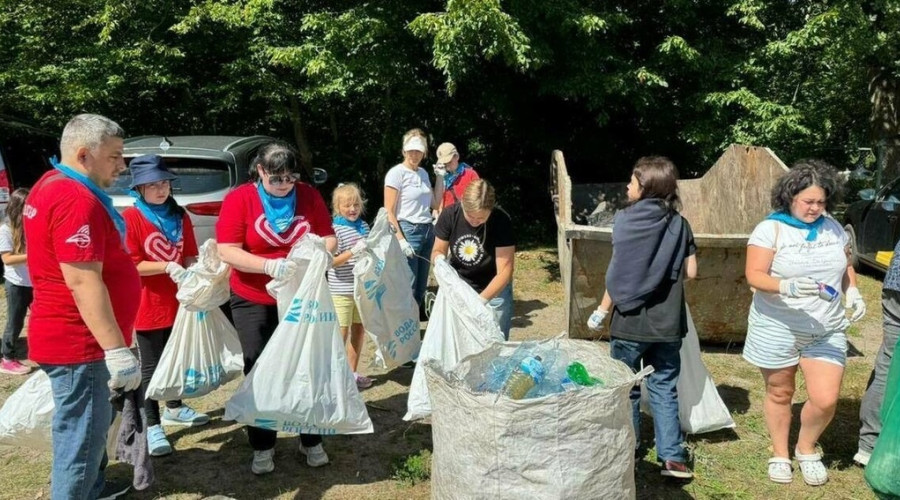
160	240
259	223
479	239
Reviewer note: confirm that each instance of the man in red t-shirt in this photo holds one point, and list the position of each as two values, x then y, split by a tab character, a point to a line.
86	294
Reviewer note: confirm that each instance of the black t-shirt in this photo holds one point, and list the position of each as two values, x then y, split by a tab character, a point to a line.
473	249
663	318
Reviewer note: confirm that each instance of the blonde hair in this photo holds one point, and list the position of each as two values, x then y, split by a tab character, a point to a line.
479	195
414	132
347	191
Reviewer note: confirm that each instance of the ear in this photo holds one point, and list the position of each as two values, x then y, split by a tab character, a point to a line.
82	153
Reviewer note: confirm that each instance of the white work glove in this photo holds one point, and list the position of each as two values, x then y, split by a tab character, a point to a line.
280	269
176	272
798	287
595	322
407	248
855	302
124	370
440	258
359	247
440	169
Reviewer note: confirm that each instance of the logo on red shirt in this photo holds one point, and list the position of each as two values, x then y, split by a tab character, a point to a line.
29	211
82	237
298	229
159	248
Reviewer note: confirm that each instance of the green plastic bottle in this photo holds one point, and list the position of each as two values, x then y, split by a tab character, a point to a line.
578	373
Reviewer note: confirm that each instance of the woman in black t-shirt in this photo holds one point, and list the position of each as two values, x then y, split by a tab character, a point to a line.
478	239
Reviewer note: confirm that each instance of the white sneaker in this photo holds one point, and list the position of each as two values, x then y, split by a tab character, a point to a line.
315	456
263	462
862	457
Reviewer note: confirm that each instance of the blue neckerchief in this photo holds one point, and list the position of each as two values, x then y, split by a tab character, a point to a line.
449	179
357	224
161	216
104	198
792	221
279	210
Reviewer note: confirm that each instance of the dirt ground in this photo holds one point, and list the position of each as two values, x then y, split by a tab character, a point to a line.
213	460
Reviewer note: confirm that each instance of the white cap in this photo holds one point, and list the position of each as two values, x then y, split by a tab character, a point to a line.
415	143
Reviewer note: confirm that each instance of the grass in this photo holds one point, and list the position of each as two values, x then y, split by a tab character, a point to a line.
394	463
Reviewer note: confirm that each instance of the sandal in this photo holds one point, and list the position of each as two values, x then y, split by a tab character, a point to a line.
780	470
814	472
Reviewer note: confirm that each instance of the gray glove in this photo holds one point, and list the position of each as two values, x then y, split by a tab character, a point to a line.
798	287
124	370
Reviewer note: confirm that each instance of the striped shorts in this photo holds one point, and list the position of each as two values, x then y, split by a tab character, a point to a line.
772	346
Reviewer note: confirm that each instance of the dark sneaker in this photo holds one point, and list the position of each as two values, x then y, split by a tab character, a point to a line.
677	470
114	489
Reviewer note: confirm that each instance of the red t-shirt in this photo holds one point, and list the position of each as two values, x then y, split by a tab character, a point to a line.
146	243
65	223
242	220
459	186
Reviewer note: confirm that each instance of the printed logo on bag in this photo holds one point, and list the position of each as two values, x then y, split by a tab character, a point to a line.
160	249
379	267
405	332
82	237
469	250
266	423
201	315
194	379
375	292
307	311
391	348
298	427
298	229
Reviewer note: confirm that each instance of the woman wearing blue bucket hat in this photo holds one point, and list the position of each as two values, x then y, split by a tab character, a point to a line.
160	239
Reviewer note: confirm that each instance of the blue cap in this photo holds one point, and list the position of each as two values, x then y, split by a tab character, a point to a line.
147	169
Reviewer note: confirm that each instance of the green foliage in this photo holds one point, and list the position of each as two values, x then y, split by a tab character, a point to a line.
413	468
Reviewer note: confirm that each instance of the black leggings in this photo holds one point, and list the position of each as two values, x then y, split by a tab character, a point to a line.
255	324
150	346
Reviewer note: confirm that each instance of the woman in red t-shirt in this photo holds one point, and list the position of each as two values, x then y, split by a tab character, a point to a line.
259	223
160	240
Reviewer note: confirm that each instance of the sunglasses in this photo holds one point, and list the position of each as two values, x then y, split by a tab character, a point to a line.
277	180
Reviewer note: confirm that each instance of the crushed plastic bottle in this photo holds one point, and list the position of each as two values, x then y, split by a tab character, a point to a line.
578	374
528	374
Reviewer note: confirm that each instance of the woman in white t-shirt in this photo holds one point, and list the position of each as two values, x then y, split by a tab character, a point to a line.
409	199
18	282
797	265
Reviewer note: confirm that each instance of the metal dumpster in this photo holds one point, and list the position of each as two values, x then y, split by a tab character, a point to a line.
723	207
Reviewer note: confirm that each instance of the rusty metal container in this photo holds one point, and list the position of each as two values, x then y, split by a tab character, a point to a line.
723	207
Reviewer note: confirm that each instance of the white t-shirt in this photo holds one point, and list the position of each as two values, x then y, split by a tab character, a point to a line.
824	260
17	274
413	193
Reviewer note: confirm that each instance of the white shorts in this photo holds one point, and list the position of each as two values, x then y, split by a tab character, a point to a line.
769	345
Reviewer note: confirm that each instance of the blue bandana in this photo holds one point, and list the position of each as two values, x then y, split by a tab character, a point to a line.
104	198
449	179
792	221
357	224
161	216
279	210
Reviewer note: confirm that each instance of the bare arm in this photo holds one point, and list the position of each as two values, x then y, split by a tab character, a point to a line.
85	280
11	259
240	259
330	244
690	267
506	258
606	302
391	196
151	268
437	194
759	263
440	248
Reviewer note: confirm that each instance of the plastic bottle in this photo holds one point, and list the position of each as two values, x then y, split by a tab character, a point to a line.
578	373
529	372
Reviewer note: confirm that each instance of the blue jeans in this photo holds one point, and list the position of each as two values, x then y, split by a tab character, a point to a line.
18	300
666	361
80	424
421	238
503	303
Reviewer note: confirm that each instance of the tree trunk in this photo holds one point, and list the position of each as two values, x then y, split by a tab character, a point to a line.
884	94
306	156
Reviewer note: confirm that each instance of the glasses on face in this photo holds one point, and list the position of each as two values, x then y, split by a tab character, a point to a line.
277	180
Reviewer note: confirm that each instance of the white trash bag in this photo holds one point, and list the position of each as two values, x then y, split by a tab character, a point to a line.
203	352
700	408
384	298
302	381
460	325
26	417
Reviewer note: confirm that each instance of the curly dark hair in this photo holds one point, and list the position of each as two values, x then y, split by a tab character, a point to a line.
804	174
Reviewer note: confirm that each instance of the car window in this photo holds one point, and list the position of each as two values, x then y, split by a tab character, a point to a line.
27	157
195	176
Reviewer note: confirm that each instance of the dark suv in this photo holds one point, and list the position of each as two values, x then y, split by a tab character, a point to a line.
25	153
207	168
873	224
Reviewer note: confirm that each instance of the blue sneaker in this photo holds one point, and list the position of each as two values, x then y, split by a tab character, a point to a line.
184	415
157	442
